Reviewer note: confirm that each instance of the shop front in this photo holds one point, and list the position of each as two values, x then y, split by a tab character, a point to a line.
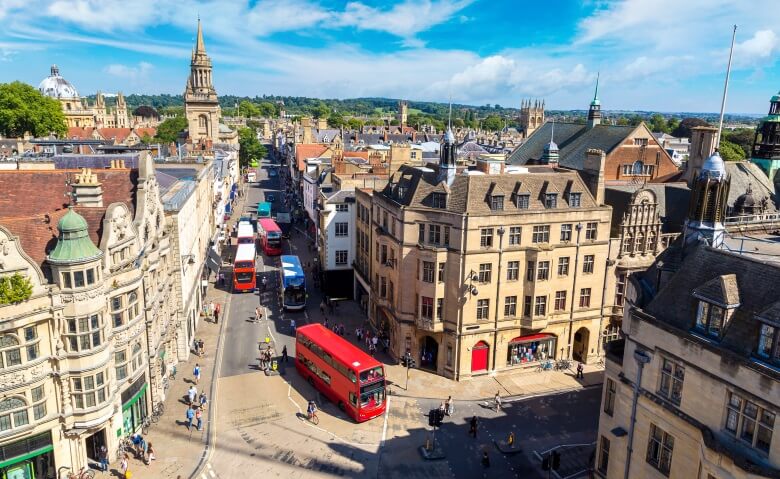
30	458
134	408
531	348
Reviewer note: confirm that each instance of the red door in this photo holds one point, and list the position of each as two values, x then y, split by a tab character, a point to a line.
479	357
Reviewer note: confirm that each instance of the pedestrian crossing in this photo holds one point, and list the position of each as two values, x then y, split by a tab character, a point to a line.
209	472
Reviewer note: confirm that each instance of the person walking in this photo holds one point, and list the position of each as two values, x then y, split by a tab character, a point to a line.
485	460
258	314
284	353
196	373
498	402
449	407
473	427
322	308
124	467
203	400
199	418
192	393
103	456
190	416
292	326
580	369
150	454
201	347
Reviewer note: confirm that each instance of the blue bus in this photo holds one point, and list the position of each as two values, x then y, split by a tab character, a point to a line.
264	209
293	283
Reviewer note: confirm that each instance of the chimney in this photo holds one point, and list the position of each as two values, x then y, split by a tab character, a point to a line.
307	133
593	173
87	189
322	123
703	141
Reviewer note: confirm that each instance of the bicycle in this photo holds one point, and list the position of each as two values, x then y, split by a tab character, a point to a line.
600	363
544	366
83	473
313	418
562	365
125	445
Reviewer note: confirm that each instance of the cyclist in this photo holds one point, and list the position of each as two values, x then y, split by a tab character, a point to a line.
311	410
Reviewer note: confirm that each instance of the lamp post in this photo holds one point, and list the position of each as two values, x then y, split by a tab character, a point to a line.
641	358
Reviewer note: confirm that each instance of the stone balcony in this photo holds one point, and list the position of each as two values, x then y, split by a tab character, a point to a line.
430	325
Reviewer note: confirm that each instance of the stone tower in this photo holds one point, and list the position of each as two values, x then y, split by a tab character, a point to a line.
707	208
531	116
403	112
201	106
594	112
766	144
120	112
703	142
100	110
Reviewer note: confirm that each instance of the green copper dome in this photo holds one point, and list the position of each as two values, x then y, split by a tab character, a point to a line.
776	97
73	243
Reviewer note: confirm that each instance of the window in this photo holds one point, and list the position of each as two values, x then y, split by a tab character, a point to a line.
640	141
486	237
13	413
603	464
585	298
342	207
427	270
611	333
446	236
566	233
10	351
342	256
522	201
120	360
383	256
427	308
483	308
78	279
587	263
439	308
575	200
441	272
497	202
434	234
768	340
449	355
749	422
89	391
383	287
551	200
66	283
540	306
530	271
527	304
512	270
421	233
610	391
659	449
560	300
590	231
514	235
620	289
84	333
485	271
439	200
672	376
541	234
563	266
543	271
39	403
709	319
90	276
342	229
510	306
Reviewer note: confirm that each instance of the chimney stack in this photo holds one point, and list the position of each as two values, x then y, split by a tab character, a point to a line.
593	173
87	189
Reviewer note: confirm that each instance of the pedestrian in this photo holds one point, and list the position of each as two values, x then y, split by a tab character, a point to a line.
124	467
375	341
284	353
137	440
580	369
203	400
192	393
448	406
485	460
498	402
371	349
292	326
322	307
216	316
325	322
212	308
196	373
442	409
144	450
358	334
221	274
151	456
258	314
190	416
201	347
199	418
473	427
103	456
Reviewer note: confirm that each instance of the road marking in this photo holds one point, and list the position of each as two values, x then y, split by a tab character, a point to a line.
289	396
211	473
384	426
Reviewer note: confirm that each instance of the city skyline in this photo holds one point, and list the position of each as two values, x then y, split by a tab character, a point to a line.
656	56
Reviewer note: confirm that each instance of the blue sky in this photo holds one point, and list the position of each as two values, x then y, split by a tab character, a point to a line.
663	55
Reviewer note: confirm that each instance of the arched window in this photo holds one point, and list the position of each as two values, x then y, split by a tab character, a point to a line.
627	243
13	413
640	240
10	352
638	167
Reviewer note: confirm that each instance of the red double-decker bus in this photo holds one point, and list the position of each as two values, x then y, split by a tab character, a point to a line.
270	236
344	373
244	278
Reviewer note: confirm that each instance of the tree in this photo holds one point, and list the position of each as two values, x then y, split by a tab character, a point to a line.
146	139
248	109
251	149
354	124
15	288
683	130
336	120
23	109
657	123
169	130
267	109
730	151
743	138
493	123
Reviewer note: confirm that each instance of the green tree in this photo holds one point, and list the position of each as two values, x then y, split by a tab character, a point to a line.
321	110
335	120
251	148
23	109
267	109
247	108
683	130
15	288
730	151
354	124
169	130
493	123
743	138
146	139
657	123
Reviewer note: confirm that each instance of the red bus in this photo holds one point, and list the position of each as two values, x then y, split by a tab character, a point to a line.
244	269
344	373
270	236
245	234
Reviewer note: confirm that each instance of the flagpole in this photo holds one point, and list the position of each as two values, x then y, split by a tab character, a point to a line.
726	87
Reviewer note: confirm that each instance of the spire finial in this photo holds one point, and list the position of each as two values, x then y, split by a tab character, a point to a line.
552	131
449	118
725	88
200	46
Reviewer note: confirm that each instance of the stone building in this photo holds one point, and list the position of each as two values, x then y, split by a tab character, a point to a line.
86	355
201	105
485	270
531	116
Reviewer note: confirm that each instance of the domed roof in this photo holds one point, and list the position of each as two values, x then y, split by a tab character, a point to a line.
73	243
54	86
776	97
551	146
449	137
746	199
714	166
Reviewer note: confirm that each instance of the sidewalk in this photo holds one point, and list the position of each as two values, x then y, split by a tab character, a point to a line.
513	383
181	452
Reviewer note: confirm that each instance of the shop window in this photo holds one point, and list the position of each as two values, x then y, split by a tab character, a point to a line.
89	391
527	349
13	413
84	333
749	422
672	377
660	446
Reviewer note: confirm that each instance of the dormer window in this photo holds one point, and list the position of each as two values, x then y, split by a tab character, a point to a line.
768	341
709	319
401	191
575	200
497	202
522	201
551	200
439	200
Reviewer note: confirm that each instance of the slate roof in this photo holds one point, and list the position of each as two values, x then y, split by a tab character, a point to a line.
414	187
672	201
722	290
749	282
573	141
742	173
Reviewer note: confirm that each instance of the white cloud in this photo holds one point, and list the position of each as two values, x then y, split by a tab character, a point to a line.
7	6
762	46
132	73
109	15
405	19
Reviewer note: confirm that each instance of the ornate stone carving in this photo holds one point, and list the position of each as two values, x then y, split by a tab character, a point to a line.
11	380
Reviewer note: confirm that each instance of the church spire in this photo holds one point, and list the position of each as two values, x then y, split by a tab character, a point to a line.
596	94
200	46
594	112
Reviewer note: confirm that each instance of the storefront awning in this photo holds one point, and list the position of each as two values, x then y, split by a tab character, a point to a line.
531	337
213	260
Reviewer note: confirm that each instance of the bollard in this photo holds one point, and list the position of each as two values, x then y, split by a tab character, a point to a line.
511	439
